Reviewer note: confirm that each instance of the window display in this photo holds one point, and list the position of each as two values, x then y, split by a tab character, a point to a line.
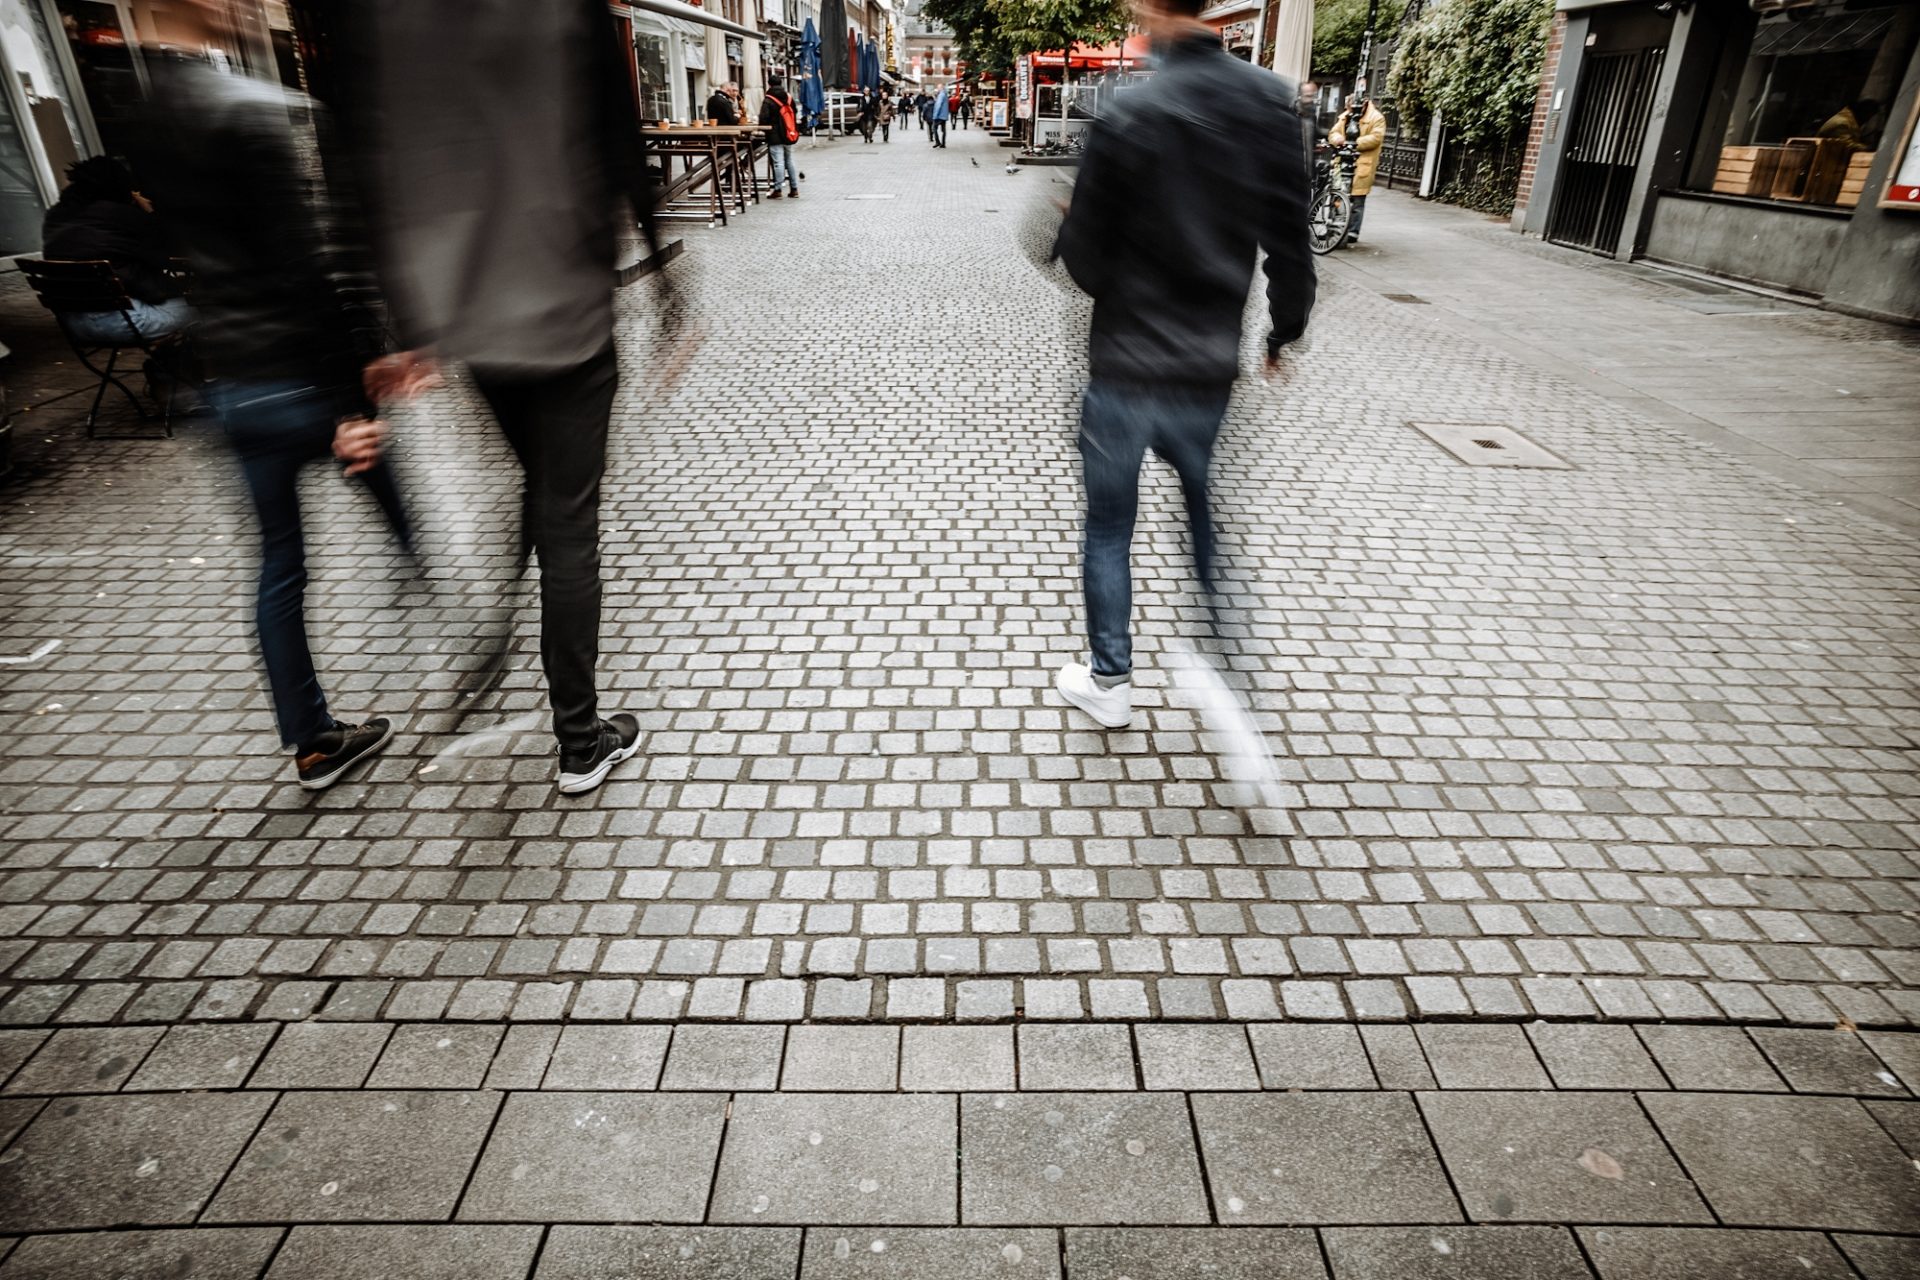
1806	110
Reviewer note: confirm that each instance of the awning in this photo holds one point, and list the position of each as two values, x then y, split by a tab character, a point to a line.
688	13
1112	55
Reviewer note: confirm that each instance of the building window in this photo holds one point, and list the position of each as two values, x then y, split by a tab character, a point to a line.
1797	117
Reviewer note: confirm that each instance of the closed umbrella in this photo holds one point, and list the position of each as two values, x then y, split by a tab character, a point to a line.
834	71
812	99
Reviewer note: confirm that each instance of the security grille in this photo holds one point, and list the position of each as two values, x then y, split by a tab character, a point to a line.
1603	148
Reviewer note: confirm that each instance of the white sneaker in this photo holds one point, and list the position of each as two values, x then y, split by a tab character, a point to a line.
1111	707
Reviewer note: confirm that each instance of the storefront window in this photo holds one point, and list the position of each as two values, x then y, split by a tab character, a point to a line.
656	84
1801	116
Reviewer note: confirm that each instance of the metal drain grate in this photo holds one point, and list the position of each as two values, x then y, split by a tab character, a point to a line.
1412	298
1487	444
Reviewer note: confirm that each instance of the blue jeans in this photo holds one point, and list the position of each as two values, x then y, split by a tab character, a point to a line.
1119	422
150	321
782	154
276	428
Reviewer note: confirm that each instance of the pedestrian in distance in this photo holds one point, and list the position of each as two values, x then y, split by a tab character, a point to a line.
1366	127
937	116
287	333
966	111
1169	210
885	115
720	106
783	130
869	118
501	140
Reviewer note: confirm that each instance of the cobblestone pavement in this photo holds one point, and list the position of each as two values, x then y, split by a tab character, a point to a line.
1601	776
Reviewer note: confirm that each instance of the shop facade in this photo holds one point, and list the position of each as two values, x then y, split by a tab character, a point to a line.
1770	142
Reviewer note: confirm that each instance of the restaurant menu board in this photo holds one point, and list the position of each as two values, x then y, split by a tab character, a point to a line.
1903	185
999	114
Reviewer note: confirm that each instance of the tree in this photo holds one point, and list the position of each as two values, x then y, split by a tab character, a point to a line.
1042	26
1477	62
976	32
1337	28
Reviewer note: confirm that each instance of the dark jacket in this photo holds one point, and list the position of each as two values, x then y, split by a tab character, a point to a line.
720	109
1170	208
771	118
85	225
282	285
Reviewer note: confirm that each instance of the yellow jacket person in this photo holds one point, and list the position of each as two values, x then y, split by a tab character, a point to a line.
1368	135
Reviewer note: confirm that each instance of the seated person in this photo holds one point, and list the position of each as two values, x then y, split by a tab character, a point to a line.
101	216
1848	125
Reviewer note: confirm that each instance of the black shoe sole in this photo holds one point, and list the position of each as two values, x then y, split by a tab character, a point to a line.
573	784
340	770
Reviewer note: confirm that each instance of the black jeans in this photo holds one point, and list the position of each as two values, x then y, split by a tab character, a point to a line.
557	425
1359	204
277	429
939	128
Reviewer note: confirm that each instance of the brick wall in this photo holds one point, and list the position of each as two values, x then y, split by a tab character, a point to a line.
1542	101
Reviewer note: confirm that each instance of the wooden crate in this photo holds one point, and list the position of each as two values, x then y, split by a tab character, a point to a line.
1746	171
1812	171
1855	183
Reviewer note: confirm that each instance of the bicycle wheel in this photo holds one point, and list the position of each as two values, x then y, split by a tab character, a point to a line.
1327	219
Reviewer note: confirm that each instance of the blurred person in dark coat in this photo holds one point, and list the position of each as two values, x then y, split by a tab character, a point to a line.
501	147
284	328
1168	217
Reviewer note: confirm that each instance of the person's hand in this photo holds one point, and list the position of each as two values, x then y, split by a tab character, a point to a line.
1274	368
400	376
145	205
358	442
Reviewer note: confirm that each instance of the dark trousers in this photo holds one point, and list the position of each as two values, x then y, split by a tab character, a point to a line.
1119	423
277	429
939	128
1359	204
557	425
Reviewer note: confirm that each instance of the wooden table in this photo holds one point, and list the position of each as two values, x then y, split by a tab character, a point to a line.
728	170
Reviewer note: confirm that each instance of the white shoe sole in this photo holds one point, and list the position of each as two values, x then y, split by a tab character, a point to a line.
572	784
1104	718
321	784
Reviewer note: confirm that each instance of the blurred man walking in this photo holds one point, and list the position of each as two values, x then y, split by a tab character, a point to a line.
501	138
1169	210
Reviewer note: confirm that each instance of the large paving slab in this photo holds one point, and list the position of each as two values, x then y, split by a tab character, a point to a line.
372	1156
1453	1253
930	1254
1087	1158
1245	1253
1791	1162
606	1157
1670	1253
1320	1158
873	1158
685	1253
359	1252
227	1253
132	1160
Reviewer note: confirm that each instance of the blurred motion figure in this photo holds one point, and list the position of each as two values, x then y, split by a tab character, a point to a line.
1167	217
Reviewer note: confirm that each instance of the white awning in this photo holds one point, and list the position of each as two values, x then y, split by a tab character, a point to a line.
688	13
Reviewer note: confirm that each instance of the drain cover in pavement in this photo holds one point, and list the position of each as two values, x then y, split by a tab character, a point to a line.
889	196
1483	444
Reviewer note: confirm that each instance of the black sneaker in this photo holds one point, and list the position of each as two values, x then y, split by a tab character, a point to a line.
326	759
586	769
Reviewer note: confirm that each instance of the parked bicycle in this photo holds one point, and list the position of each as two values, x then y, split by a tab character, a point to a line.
1332	206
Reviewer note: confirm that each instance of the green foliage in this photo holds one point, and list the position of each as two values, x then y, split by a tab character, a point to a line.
1337	28
1475	61
976	33
1042	26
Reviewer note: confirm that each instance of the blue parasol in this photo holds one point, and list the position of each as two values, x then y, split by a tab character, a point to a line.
811	99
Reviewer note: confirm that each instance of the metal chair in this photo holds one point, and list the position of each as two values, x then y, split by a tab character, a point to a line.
81	287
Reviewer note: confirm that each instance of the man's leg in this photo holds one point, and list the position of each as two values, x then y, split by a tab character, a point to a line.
558	427
1359	205
1111	448
1186	423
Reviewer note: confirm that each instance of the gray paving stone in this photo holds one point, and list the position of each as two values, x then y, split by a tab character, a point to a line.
202	1057
940	1253
130	1160
1696	1253
1453	1253
1310	1057
593	1058
228	1253
1882	1257
1558	1157
1481	1056
1901	1120
1825	1164
1320	1158
598	1157
1242	1253
1078	1159
1398	1061
321	1055
16	1047
1594	1057
1827	1061
847	1059
1900	1050
85	1060
459	1252
1711	1058
1190	1058
831	1158
373	1156
685	1253
1096	1056
15	1113
436	1056
716	1057
522	1059
956	1059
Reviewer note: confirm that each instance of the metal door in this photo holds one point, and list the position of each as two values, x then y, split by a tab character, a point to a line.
1603	148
